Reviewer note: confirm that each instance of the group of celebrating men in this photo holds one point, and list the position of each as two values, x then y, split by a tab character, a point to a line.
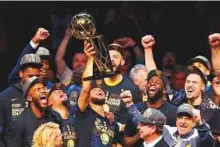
138	106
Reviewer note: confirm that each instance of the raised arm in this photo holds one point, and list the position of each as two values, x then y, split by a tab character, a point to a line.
130	140
131	108
59	58
86	85
214	42
205	136
31	47
148	43
128	42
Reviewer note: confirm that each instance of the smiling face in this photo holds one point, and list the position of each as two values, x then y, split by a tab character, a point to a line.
184	124
37	95
194	86
155	88
97	96
56	98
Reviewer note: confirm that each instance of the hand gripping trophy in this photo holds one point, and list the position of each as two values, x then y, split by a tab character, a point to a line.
84	28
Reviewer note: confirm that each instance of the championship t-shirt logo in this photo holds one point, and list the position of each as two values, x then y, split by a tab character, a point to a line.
114	101
68	136
18	106
70	143
103	131
104	138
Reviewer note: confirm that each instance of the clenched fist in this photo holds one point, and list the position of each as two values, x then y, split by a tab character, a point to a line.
214	40
148	41
197	116
127	97
41	34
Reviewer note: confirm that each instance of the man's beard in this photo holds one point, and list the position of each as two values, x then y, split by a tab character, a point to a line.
98	101
156	97
118	69
37	104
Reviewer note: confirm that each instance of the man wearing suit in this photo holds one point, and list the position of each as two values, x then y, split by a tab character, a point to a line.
150	128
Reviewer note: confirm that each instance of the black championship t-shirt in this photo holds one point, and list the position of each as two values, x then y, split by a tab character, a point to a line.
114	101
21	130
167	109
69	132
210	112
94	130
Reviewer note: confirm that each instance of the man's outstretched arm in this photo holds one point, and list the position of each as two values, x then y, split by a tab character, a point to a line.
31	47
214	42
86	85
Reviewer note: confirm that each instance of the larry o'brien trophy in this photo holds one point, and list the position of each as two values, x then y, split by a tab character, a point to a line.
84	28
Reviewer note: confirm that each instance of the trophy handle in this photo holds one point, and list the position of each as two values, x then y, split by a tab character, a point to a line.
101	58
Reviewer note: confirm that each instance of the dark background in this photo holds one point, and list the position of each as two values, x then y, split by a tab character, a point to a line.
181	27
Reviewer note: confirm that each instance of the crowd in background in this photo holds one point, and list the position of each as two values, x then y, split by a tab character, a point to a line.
48	102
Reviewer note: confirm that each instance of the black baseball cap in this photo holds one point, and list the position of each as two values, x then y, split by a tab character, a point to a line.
30	83
56	86
117	47
152	116
185	109
200	59
30	60
158	73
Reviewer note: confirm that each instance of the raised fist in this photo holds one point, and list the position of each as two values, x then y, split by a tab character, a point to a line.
148	41
214	40
41	34
216	86
127	97
197	116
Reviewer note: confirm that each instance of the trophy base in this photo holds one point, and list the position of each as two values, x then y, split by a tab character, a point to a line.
100	76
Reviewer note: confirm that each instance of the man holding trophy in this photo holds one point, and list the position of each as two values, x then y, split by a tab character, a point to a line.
106	71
